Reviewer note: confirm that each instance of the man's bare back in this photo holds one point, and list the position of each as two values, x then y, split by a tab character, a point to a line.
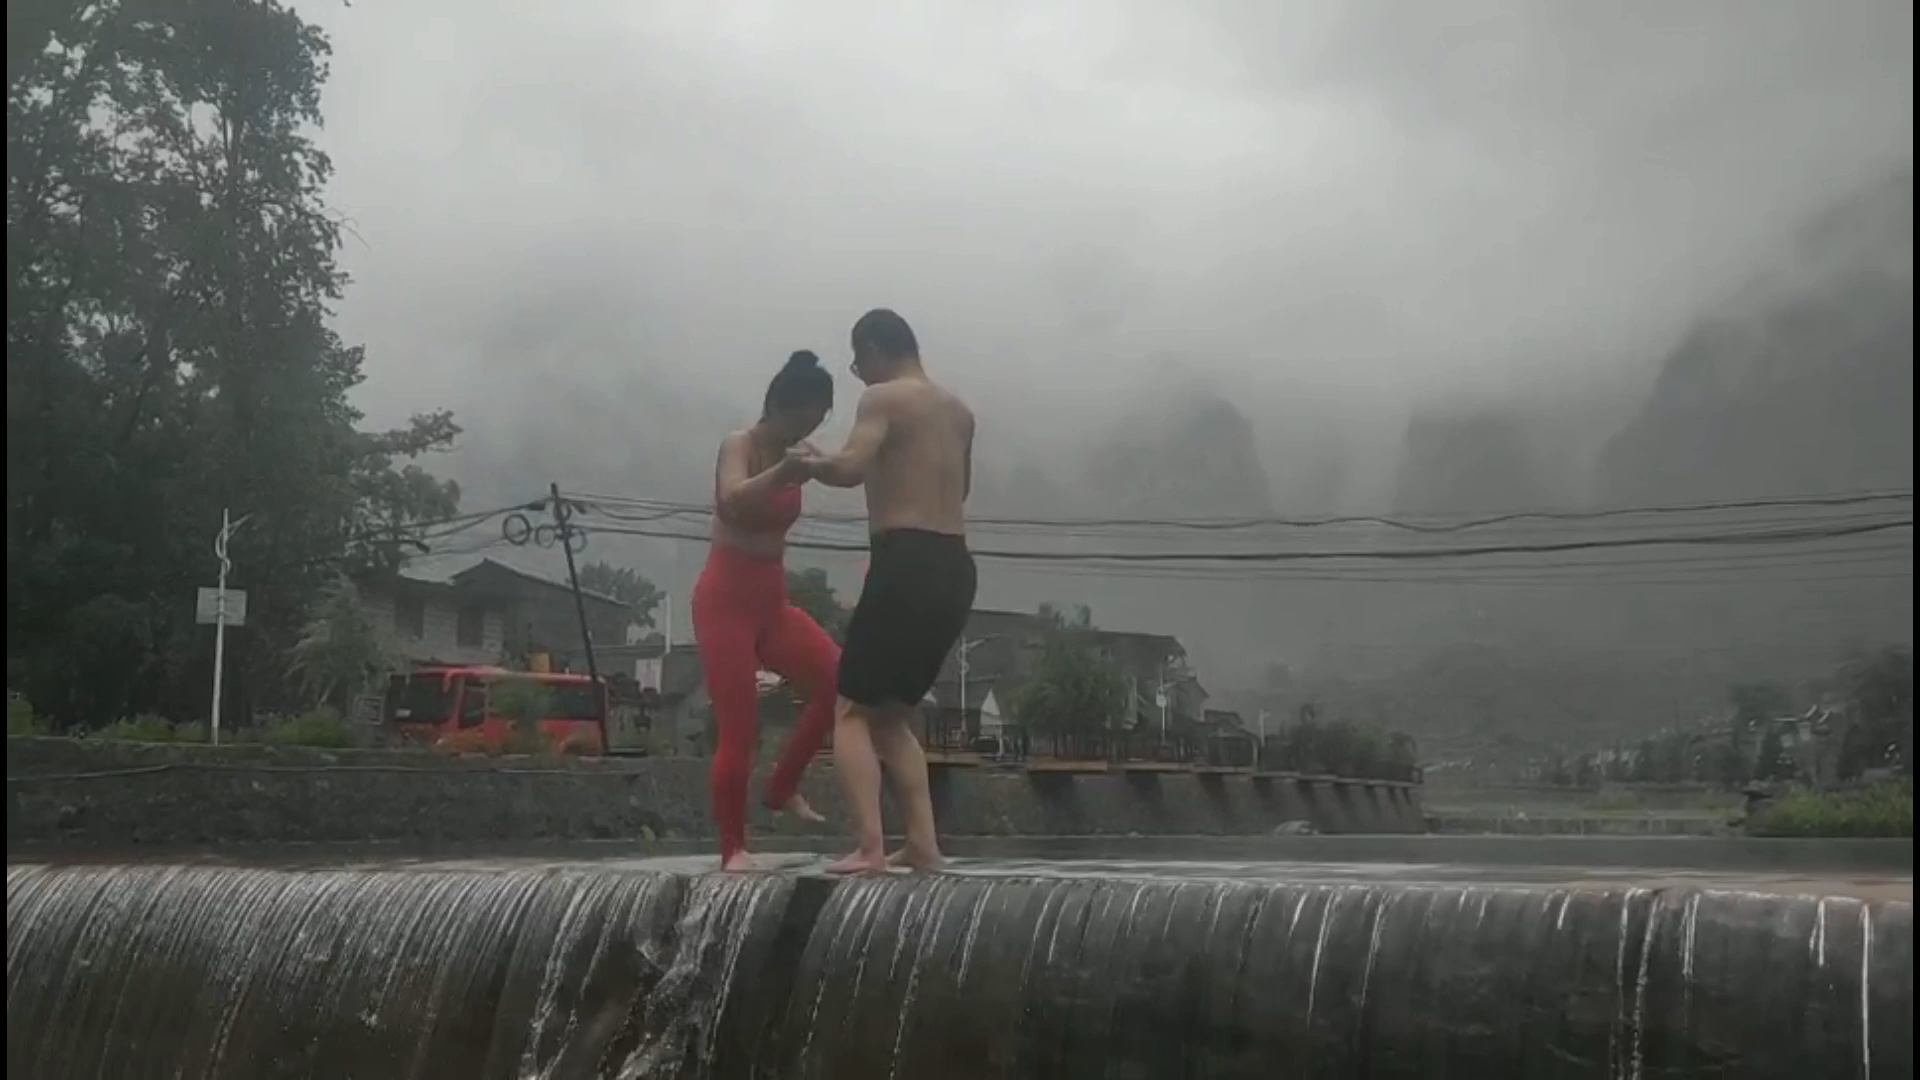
924	467
912	448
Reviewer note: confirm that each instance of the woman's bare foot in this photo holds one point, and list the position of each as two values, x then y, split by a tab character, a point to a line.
860	862
914	858
799	807
736	862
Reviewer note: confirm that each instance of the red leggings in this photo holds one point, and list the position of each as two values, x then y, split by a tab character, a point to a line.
741	623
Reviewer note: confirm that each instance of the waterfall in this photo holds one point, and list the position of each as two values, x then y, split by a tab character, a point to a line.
595	971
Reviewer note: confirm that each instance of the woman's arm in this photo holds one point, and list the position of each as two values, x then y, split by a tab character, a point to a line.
734	488
848	468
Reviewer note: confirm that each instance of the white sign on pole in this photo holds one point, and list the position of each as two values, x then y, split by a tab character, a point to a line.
206	607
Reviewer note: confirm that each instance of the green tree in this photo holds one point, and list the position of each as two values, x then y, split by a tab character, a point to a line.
1079	620
1755	706
522	700
1878	687
809	591
342	651
1072	689
171	274
1772	763
624	584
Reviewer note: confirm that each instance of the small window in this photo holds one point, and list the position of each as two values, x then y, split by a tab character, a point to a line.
472	630
473	705
410	617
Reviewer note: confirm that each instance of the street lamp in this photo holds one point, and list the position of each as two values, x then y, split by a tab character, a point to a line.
965	667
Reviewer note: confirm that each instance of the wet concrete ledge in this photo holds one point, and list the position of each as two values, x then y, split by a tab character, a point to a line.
587	971
74	794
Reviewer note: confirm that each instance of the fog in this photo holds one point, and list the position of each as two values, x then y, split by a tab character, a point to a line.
595	228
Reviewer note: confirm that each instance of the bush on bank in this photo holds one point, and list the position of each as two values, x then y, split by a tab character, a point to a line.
322	728
1883	810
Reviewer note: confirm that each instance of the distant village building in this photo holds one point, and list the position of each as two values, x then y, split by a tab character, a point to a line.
970	701
492	613
982	678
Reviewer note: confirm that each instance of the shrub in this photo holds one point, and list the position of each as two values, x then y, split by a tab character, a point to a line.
150	728
21	720
323	727
1884	810
521	700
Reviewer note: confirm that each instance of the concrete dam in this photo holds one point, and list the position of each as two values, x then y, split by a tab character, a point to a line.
650	967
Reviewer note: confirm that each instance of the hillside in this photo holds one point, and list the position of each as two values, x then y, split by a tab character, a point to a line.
1800	382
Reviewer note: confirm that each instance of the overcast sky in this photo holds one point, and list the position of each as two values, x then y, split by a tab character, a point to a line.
1369	196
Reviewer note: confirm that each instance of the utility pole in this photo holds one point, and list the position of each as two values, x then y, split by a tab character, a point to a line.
563	527
227	528
1165	700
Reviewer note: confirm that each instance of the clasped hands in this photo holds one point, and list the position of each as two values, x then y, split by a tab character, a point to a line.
802	462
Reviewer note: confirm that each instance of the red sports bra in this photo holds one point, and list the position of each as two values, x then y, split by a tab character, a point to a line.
773	515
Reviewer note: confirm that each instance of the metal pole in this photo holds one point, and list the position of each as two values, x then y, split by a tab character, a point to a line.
562	523
963	684
220	621
1165	701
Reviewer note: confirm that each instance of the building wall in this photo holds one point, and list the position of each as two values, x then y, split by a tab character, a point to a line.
440	639
544	620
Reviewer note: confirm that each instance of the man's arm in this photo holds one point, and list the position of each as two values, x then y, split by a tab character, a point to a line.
734	487
848	468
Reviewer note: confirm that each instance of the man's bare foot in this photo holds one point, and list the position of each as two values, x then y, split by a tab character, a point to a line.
799	807
860	862
914	858
736	862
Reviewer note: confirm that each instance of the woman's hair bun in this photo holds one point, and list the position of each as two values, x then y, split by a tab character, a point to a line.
803	358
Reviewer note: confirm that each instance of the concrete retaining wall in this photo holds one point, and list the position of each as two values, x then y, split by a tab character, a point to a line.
79	794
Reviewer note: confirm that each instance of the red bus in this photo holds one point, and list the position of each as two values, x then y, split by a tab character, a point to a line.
455	707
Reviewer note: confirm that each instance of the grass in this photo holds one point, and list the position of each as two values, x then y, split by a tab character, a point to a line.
149	728
1615	800
21	720
322	728
1883	810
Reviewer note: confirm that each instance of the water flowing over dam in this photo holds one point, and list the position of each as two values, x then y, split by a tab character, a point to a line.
643	969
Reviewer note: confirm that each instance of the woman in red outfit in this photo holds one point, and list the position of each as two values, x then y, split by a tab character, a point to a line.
742	621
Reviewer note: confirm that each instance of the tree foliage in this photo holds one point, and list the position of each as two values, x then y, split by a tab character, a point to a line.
1878	687
342	651
1072	689
170	277
624	584
809	591
1342	748
523	701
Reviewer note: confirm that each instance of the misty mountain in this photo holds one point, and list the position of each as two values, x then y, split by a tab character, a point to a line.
1473	463
1800	382
1187	452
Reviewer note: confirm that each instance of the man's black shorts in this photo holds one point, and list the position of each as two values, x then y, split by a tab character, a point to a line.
914	605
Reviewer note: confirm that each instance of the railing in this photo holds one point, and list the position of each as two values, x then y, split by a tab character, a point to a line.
1276	755
948	733
1229	751
1154	748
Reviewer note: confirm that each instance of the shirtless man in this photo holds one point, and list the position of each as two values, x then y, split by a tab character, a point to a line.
912	446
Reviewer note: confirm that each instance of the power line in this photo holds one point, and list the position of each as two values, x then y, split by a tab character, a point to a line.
1777	536
658	509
